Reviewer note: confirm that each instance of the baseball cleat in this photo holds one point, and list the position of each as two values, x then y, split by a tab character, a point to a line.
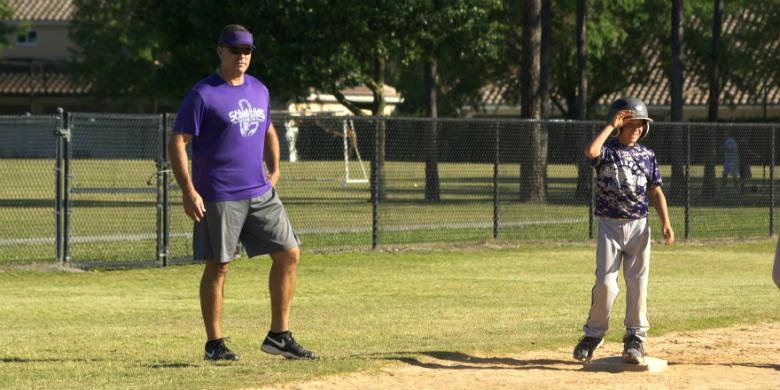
633	350
217	350
286	346
585	347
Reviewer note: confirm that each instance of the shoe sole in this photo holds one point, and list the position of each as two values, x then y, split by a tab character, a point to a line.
270	349
589	358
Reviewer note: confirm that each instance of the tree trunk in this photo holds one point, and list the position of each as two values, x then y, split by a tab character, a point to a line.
709	188
584	170
378	111
432	191
544	53
533	164
544	80
675	138
582	81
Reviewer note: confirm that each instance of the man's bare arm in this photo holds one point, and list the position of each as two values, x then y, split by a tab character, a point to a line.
177	151
271	155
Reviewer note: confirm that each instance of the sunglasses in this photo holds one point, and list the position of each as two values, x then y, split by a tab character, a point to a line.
240	50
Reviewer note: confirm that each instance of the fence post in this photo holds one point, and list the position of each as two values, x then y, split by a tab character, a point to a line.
496	162
66	211
162	192
166	179
591	199
158	199
772	183
687	181
58	190
375	190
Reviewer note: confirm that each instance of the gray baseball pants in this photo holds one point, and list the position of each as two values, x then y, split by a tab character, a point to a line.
626	240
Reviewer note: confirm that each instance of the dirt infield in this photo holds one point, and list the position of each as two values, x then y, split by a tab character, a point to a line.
742	357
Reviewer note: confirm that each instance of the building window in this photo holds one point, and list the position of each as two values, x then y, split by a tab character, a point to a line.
27	38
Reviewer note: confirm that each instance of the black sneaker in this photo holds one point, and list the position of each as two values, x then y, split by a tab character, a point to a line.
584	349
633	350
286	346
217	350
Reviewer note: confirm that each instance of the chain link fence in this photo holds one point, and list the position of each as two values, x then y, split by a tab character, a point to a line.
27	187
113	188
365	182
543	192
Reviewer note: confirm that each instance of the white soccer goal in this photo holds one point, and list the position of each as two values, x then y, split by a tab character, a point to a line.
349	134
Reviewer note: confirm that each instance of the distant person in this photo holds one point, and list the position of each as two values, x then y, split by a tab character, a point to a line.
747	157
731	165
231	195
627	178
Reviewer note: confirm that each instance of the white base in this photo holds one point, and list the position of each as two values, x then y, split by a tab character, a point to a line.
616	364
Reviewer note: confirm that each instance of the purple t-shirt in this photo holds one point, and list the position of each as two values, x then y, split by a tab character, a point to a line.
228	125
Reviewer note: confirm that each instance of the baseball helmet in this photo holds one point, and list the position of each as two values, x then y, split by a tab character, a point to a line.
633	104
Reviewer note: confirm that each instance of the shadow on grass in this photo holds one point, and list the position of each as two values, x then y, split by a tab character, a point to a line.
14	359
42	360
172	365
490	363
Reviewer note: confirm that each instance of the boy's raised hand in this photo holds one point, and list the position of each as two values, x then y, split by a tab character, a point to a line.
617	119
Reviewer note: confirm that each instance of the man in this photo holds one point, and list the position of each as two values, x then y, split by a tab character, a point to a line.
230	196
627	174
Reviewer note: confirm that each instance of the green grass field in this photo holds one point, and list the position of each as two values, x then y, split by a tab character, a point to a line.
358	310
120	227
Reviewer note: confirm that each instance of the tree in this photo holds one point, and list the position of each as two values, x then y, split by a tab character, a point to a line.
609	66
714	63
113	38
544	59
299	45
609	56
747	50
368	36
6	30
738	56
708	186
677	72
164	47
533	164
453	44
466	38
584	170
610	38
675	137
432	190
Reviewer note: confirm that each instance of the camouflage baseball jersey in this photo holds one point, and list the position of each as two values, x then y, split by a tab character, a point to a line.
623	176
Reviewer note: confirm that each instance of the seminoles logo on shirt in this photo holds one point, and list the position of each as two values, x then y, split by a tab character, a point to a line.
248	117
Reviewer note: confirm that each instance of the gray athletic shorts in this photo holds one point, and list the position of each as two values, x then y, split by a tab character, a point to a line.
260	223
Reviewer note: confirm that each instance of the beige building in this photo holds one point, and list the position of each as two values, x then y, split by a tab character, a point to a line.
32	71
320	103
44	30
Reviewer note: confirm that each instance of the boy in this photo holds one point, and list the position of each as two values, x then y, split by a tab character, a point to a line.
627	176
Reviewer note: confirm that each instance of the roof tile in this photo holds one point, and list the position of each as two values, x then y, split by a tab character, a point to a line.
49	82
49	10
